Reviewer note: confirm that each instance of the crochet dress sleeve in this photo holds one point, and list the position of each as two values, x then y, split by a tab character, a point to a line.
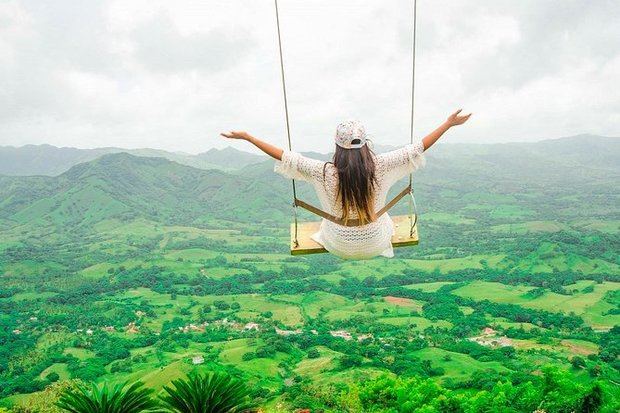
401	162
296	166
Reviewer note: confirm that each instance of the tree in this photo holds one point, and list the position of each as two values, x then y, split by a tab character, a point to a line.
350	360
578	362
216	392
313	353
120	398
250	355
44	401
593	400
221	305
52	377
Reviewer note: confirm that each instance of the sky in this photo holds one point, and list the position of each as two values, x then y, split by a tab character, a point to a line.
174	74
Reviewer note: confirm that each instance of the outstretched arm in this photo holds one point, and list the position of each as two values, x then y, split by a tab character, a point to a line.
453	120
268	148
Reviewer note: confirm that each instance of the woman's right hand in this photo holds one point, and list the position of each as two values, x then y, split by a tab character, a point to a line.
236	135
455	119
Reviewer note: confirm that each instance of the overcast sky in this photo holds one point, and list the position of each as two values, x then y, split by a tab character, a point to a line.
173	74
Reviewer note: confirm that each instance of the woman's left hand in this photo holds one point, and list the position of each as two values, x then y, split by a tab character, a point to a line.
236	135
455	119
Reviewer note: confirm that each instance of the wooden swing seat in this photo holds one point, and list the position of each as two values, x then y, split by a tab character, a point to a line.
308	246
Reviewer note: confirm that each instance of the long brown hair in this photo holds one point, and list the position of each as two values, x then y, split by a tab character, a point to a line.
356	182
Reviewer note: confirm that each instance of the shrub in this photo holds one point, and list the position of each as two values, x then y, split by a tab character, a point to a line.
120	398
209	393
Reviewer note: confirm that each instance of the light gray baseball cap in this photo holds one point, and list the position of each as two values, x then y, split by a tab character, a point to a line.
351	134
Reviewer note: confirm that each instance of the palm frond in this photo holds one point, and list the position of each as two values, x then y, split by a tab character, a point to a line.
209	393
120	398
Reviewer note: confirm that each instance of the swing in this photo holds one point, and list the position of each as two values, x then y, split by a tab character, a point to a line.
406	230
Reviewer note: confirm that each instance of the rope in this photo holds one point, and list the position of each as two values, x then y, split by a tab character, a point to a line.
415	14
412	206
288	128
351	222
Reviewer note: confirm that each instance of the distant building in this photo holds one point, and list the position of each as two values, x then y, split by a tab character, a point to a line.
89	332
109	328
226	323
492	341
488	331
17	331
504	342
341	334
132	328
198	360
251	326
364	337
192	327
287	332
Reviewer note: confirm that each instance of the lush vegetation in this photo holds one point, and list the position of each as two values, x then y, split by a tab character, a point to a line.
208	393
120	398
127	269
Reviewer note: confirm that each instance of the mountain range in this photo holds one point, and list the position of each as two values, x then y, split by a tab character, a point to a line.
237	186
51	160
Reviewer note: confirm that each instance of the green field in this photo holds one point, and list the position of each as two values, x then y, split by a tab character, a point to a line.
456	365
591	306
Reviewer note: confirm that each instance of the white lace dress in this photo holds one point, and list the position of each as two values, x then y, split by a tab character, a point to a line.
365	241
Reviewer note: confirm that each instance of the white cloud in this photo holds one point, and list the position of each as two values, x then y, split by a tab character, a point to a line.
174	74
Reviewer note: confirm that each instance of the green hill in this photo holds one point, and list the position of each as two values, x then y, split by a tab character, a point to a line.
125	186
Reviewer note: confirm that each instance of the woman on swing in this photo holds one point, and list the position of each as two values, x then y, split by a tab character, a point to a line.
354	185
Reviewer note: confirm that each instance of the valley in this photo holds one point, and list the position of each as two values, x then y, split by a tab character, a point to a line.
137	268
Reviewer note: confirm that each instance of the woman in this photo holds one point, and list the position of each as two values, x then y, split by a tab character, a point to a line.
354	185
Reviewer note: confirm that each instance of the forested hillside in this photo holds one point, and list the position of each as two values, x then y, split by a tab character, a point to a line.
125	267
